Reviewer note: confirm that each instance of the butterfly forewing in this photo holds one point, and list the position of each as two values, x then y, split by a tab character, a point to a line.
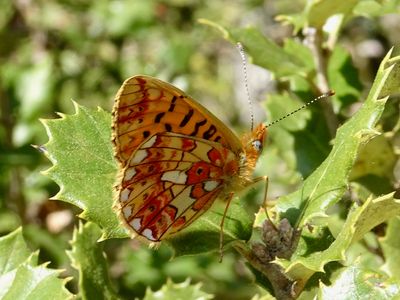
170	180
146	106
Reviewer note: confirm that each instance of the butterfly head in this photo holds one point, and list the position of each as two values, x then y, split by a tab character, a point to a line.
253	144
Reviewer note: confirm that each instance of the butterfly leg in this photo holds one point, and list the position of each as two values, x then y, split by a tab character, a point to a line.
264	204
221	233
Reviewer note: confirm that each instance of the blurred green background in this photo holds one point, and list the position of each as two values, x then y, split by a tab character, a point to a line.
52	52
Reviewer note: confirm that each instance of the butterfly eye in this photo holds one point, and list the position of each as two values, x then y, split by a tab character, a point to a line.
257	145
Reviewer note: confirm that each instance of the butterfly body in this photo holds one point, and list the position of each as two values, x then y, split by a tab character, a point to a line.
175	158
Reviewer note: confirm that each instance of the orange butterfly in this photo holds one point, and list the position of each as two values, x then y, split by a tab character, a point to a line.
175	158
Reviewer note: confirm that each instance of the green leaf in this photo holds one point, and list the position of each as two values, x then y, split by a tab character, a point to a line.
264	52
14	251
318	11
295	138
31	283
302	53
391	248
354	282
21	278
183	290
34	100
53	245
328	182
377	157
359	221
343	77
392	86
389	7
80	149
203	235
368	8
88	258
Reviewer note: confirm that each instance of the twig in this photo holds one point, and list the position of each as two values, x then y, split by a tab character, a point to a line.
314	41
281	284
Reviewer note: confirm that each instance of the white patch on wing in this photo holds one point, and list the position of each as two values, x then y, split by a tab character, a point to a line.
127	211
183	200
139	156
150	142
136	223
124	196
130	172
211	185
148	234
178	177
176	189
201	151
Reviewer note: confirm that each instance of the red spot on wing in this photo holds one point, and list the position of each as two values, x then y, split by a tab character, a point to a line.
162	141
157	154
152	168
206	201
202	171
133	111
197	191
153	207
179	222
162	221
215	156
188	144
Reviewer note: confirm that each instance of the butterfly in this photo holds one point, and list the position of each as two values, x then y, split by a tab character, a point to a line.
176	158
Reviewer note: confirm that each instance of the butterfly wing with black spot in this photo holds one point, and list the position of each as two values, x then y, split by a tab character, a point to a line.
145	106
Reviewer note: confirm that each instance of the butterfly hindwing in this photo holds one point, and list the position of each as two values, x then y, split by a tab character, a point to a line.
169	181
146	106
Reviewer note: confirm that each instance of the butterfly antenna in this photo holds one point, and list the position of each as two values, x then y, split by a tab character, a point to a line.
323	96
244	66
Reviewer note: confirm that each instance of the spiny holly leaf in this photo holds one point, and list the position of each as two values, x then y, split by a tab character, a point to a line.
328	182
392	86
354	282
14	251
20	276
391	248
31	283
88	258
183	290
359	221
79	147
